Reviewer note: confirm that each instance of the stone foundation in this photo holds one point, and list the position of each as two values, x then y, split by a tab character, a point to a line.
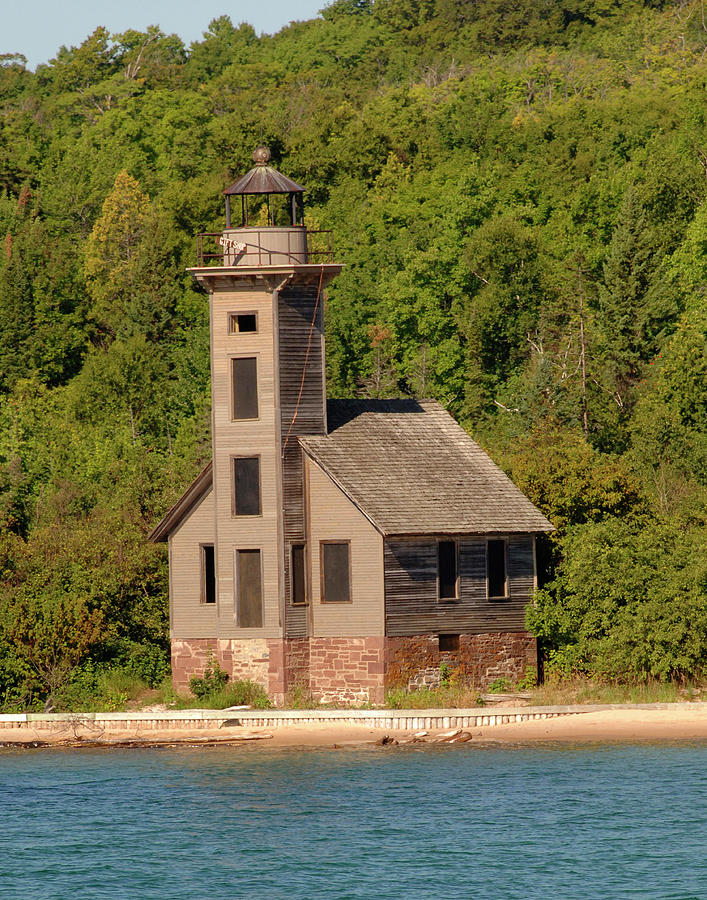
480	660
348	670
356	669
297	664
255	659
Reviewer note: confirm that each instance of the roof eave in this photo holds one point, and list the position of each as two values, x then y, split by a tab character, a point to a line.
196	491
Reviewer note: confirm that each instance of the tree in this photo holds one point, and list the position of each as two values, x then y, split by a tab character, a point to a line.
51	635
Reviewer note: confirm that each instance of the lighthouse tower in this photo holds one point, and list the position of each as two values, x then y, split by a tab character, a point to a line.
265	283
345	547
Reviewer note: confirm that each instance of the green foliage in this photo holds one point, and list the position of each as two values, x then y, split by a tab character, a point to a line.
50	635
528	680
213	691
499	686
452	696
517	190
627	601
212	682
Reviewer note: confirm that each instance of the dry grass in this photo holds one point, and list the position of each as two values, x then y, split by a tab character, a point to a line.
579	690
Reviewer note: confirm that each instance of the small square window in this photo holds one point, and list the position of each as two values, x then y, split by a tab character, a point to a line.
448	643
239	322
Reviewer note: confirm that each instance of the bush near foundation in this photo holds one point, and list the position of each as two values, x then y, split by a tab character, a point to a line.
627	603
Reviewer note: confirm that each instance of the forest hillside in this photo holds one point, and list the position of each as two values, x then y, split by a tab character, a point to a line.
517	190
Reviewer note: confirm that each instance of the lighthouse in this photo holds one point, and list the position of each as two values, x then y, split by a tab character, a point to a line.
339	546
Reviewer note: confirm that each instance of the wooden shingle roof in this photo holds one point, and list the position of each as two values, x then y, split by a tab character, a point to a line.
411	469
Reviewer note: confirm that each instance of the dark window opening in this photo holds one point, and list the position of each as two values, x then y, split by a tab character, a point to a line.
447	567
250	588
448	643
245	388
208	574
238	322
336	581
246	479
297	575
496	568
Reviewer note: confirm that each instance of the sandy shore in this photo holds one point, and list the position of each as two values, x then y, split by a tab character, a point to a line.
675	723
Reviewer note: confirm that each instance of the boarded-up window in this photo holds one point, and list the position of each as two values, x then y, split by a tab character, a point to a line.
496	568
448	643
299	584
238	322
245	387
336	580
208	574
246	486
447	568
249	578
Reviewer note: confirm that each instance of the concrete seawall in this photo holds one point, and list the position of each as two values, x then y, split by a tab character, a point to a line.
395	720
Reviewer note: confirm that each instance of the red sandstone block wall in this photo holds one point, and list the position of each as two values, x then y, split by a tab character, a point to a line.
480	660
259	660
348	670
355	670
297	663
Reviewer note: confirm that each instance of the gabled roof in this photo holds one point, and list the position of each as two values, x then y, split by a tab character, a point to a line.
411	469
198	489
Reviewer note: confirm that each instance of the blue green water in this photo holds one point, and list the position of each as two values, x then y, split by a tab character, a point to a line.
556	822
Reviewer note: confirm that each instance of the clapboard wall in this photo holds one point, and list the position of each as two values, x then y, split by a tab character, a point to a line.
412	605
302	411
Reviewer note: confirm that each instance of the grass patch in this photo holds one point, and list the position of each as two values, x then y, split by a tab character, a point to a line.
95	690
444	697
578	690
234	693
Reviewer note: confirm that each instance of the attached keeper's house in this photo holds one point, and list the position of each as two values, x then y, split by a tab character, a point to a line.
344	546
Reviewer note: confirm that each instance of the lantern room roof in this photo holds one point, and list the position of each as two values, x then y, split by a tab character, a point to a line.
264	179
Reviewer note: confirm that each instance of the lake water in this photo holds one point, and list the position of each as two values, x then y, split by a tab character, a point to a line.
559	822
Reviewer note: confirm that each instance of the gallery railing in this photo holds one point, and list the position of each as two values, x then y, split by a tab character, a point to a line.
264	247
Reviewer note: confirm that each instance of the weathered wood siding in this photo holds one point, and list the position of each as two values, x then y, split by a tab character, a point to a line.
411	599
246	437
302	411
333	517
189	617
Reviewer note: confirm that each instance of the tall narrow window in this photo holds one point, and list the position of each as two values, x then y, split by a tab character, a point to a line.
447	568
244	372
208	574
249	577
496	569
246	486
297	575
336	576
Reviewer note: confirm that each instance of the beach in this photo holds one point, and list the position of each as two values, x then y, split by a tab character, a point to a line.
671	722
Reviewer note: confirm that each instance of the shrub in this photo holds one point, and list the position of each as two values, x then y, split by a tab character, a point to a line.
213	680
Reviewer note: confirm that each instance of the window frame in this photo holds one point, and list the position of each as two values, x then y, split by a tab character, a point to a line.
299	603
322	580
448	638
498	598
455	598
232	359
234	481
237	586
233	318
203	592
